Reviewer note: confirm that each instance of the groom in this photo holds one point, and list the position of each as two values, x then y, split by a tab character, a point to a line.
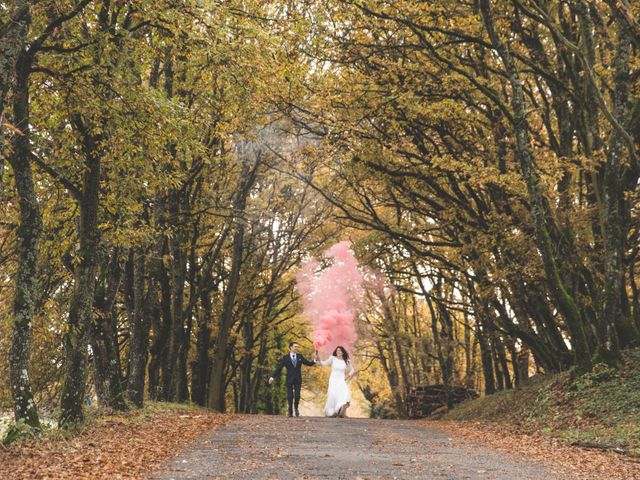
293	362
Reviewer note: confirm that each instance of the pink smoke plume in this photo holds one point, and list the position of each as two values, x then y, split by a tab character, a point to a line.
331	297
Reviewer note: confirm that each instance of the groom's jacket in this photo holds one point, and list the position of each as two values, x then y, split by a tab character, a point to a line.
294	374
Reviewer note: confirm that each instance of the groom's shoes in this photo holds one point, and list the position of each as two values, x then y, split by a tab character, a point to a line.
297	413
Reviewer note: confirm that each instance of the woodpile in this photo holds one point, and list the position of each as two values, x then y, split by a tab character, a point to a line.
425	400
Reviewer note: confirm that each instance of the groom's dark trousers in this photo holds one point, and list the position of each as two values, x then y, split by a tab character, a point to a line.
294	378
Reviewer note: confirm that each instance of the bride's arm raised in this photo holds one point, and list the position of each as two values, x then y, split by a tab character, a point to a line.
327	361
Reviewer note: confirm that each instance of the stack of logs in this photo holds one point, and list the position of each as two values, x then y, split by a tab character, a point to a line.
424	401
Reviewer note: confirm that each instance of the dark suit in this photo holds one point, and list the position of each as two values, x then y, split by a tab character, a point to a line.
294	377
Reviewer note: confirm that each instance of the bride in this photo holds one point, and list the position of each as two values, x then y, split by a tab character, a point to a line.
338	394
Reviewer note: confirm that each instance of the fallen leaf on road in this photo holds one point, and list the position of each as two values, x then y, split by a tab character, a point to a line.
112	447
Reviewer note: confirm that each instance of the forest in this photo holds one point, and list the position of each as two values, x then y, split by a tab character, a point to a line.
166	166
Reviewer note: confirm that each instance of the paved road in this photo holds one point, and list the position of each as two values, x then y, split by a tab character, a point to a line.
265	447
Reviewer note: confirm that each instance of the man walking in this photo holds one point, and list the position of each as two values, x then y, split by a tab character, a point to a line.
293	362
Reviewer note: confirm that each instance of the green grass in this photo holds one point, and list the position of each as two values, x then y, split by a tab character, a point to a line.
601	407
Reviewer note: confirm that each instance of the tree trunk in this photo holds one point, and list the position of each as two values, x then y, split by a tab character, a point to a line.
12	44
497	366
389	366
447	336
502	358
246	362
613	326
200	368
469	357
177	275
139	334
259	374
486	358
182	388
216	387
564	300
27	236
160	324
444	339
81	307
104	340
394	333
216	395
520	363
182	380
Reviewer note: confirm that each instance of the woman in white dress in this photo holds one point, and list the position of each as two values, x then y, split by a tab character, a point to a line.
338	394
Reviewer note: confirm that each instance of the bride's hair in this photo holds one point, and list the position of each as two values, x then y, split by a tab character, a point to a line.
345	355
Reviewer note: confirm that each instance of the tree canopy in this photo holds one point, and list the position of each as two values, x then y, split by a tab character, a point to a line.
167	165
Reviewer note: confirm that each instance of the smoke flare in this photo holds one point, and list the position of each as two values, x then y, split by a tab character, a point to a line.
331	297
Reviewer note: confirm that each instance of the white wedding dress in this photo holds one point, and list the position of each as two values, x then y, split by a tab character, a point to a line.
338	393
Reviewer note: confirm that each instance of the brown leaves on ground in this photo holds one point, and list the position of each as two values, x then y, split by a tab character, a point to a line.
117	446
579	462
